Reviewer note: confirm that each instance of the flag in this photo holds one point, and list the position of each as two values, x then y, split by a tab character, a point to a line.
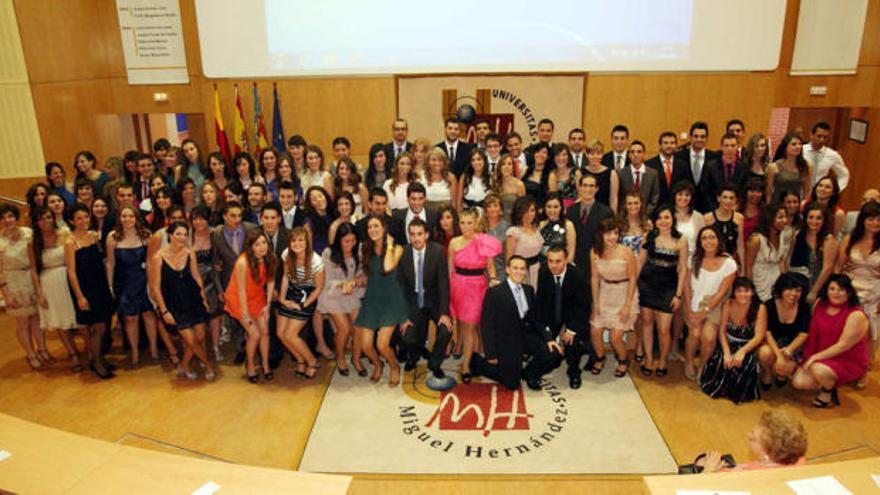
239	133
277	126
261	142
219	130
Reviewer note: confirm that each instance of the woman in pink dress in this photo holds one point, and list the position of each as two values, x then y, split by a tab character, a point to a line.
471	256
836	351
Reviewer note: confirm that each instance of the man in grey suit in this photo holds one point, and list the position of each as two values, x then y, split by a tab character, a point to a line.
636	176
228	242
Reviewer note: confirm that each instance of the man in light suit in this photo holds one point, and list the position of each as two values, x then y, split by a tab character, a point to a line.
617	158
638	174
458	151
415	196
398	144
424	277
562	291
669	170
510	327
228	240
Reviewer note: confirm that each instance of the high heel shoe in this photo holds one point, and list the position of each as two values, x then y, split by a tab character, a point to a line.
342	371
44	356
834	400
269	376
35	363
103	375
359	367
314	371
77	365
467	377
254	379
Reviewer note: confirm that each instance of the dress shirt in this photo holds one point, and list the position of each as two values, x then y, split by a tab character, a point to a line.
235	238
519	296
824	160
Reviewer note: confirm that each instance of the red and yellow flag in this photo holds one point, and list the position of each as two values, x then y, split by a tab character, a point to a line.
219	130
261	140
239	132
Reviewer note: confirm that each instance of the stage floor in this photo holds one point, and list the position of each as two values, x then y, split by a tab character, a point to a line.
270	424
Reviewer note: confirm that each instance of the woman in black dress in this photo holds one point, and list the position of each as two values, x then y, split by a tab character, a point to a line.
301	285
176	286
88	284
661	286
788	320
556	229
539	178
606	178
732	370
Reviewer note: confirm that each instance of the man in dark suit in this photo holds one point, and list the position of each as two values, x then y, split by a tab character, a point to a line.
696	157
379	203
617	158
493	153
424	277
521	159
668	169
545	135
562	291
398	144
227	240
726	169
257	195
636	176
738	128
291	215
577	141
458	151
510	327
272	226
415	196
586	215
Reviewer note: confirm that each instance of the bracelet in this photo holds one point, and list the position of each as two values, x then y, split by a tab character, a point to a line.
165	312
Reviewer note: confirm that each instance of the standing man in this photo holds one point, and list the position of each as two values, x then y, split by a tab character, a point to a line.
521	160
272	226
482	131
257	195
493	152
722	171
738	128
456	150
638	177
228	242
398	144
696	157
415	197
823	158
561	293
586	215
576	142
545	134
510	328
291	215
424	277
379	205
668	169
617	157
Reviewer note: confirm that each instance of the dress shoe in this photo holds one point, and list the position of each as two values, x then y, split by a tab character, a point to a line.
409	366
574	382
239	358
438	373
534	383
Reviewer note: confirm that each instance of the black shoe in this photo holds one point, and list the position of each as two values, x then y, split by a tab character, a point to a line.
438	373
103	375
781	382
834	400
466	377
766	386
645	370
574	382
274	364
661	372
534	383
239	358
254	379
409	366
269	376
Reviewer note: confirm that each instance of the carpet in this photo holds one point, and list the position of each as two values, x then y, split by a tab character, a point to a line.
483	428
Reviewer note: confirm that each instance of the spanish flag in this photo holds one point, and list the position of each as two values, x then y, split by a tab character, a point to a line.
219	130
261	141
239	133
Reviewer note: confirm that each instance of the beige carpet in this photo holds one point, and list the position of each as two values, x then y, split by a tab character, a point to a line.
483	428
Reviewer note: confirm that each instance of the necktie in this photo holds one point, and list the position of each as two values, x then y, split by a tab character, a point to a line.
557	309
668	169
585	214
420	281
617	164
399	151
520	300
696	167
451	152
728	172
638	180
577	160
236	244
492	168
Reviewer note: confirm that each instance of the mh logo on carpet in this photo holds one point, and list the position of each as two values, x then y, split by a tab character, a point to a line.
487	408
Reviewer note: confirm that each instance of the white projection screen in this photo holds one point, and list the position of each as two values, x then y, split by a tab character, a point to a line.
270	38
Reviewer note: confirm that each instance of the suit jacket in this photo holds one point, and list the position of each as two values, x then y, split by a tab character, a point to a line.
608	160
400	216
649	187
586	233
701	202
680	172
281	242
713	179
462	155
503	330
395	228
389	150
436	282
224	252
574	293
299	218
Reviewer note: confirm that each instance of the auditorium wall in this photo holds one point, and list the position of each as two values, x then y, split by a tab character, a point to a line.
77	73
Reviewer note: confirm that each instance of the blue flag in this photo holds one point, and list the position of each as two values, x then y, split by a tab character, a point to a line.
277	127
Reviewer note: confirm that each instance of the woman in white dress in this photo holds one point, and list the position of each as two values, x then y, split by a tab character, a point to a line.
401	177
474	183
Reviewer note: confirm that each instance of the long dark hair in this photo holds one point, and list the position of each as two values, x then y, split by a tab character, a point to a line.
655	232
700	253
766	220
870	209
370	176
605	226
320	224
468	176
548	165
782	153
354	175
368	247
800	253
159	218
88	155
336	254
140	230
185	162
270	261
227	170
437	232
754	304
520	208
39	242
845	283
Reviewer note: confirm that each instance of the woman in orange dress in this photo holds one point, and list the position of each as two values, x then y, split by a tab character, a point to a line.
248	295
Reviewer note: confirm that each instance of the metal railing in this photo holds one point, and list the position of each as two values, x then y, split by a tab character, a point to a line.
10	199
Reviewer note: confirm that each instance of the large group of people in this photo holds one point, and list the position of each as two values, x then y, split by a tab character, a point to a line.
515	258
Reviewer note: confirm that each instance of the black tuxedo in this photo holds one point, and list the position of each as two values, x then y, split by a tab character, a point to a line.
462	156
679	172
714	177
701	201
430	217
299	219
389	151
507	337
608	160
395	228
585	237
569	311
436	302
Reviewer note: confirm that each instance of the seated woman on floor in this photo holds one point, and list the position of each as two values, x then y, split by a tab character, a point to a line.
778	440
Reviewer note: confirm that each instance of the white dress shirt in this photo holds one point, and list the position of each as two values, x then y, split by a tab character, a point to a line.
410	216
287	217
698	172
825	159
522	303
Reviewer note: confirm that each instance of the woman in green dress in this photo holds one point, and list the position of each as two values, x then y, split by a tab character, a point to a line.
384	306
